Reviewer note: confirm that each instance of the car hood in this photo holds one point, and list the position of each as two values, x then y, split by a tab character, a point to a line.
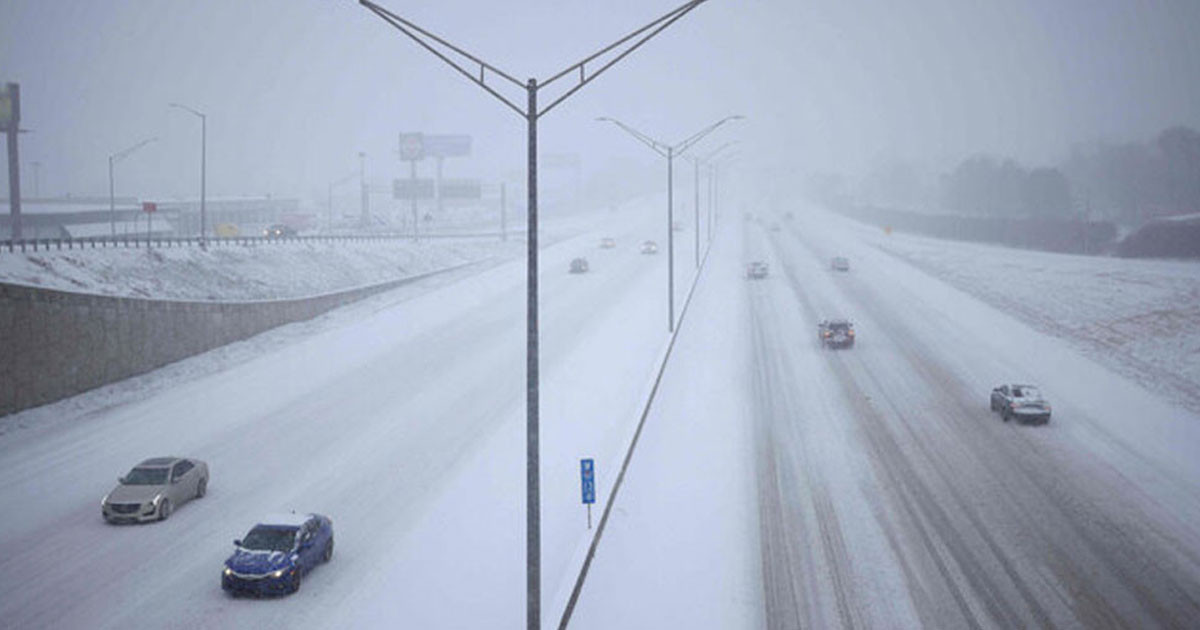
258	562
134	494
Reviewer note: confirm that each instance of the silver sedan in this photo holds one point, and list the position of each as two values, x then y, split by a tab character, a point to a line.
154	488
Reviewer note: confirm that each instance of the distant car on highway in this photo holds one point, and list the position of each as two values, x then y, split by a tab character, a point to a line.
649	247
277	553
579	265
836	333
607	243
154	489
279	230
756	270
839	264
1023	403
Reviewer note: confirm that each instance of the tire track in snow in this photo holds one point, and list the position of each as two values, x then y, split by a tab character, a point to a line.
1078	537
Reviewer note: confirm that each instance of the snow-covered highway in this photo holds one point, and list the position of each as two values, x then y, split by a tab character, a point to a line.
776	484
371	420
891	495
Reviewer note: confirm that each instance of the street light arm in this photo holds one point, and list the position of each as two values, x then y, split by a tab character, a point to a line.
654	145
696	137
717	151
185	107
655	27
120	155
415	33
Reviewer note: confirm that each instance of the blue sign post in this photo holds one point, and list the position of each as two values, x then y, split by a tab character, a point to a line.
587	480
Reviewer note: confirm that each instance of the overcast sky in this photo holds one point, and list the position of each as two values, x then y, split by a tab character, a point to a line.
294	89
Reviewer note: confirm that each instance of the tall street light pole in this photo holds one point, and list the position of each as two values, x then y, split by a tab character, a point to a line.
479	72
203	164
670	152
696	162
112	199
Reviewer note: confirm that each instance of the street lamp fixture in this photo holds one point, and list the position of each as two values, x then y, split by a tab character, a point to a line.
203	161
112	200
671	151
480	73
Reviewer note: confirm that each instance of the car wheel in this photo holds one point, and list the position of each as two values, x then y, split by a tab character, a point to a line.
327	555
296	579
164	510
202	488
1004	413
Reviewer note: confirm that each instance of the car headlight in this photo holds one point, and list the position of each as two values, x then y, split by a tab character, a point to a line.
104	501
279	573
228	572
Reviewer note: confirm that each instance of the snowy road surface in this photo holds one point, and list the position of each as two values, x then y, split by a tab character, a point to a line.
382	423
890	495
776	484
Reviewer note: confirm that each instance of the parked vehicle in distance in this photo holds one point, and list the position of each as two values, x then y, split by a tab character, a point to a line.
836	333
279	230
839	264
155	488
649	247
607	243
756	270
277	553
1023	403
579	265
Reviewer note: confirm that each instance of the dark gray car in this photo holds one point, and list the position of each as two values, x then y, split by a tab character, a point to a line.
155	488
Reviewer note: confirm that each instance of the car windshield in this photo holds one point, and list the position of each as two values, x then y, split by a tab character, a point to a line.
146	477
839	326
269	539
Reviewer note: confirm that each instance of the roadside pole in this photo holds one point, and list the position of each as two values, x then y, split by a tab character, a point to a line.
10	120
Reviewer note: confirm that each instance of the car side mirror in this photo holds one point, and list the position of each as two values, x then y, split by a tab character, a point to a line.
237	543
121	480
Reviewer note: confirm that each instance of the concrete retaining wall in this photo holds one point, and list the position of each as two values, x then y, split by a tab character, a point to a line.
55	344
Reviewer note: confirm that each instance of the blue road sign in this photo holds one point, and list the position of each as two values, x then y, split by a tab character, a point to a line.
587	477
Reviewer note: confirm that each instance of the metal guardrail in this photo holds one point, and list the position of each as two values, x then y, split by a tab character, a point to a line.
133	242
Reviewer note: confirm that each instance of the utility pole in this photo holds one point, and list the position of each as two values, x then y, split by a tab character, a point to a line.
203	168
112	200
671	239
478	72
696	162
670	152
10	120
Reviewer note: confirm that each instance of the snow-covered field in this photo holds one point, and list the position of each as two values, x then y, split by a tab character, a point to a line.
1139	317
284	269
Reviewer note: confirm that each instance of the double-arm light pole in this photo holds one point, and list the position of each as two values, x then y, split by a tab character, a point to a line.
480	73
112	199
203	162
671	152
696	162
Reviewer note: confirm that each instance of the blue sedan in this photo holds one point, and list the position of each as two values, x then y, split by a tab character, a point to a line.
274	557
